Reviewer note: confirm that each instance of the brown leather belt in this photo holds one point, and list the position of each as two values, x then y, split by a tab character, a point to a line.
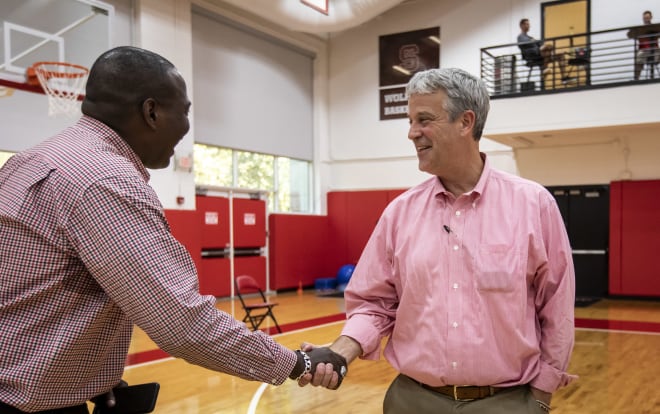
465	392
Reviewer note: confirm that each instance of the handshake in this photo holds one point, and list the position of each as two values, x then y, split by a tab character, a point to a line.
319	366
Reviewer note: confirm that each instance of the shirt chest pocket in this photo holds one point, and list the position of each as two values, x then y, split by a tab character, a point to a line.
499	268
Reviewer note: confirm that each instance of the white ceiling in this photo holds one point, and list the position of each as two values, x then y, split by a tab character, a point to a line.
296	16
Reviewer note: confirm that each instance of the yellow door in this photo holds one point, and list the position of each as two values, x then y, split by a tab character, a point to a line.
568	18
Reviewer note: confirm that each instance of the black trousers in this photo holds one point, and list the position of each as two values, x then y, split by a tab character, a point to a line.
78	409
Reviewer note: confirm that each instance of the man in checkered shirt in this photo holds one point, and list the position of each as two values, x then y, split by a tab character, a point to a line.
86	252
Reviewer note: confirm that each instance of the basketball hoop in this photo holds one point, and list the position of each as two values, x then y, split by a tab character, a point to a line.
63	83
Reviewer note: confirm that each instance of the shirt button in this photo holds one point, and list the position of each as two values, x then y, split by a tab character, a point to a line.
454	364
455	285
458	213
251	371
455	324
456	247
273	381
474	205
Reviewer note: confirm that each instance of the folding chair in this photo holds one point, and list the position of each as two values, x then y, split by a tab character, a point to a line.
255	312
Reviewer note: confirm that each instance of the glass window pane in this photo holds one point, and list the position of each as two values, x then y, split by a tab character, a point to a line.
294	183
255	171
4	156
212	165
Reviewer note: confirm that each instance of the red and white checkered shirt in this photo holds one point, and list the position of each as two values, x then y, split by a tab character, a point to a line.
85	252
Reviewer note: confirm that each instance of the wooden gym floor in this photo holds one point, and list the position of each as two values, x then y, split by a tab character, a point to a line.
616	355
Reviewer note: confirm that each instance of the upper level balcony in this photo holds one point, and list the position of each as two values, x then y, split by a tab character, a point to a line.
589	91
576	62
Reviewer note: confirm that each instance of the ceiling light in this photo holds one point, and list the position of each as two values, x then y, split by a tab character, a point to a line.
402	70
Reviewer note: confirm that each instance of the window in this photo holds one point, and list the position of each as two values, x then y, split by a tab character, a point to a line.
4	156
287	180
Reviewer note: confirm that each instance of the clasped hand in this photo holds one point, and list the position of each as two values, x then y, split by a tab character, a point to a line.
328	367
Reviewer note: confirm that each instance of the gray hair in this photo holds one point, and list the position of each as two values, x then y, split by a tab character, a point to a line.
464	92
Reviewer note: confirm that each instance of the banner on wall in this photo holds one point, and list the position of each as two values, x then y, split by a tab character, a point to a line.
401	55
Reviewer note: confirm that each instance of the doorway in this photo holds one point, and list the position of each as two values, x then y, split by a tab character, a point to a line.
569	19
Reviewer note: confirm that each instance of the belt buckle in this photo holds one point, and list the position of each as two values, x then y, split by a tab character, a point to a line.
456	387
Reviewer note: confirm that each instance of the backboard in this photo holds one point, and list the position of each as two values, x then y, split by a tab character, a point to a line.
74	31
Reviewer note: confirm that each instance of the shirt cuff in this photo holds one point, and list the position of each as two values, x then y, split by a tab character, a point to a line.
360	328
550	379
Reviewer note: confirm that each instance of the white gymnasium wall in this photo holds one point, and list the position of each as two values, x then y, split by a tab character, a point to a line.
164	27
354	150
364	152
616	157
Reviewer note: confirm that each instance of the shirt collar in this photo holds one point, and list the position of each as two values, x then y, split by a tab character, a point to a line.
477	191
110	135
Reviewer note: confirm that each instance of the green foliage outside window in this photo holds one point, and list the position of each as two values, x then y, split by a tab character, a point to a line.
214	166
255	171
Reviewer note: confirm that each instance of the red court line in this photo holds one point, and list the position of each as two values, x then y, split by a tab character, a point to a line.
156	354
614	325
605	324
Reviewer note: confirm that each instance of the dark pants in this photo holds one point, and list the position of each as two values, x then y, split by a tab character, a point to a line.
406	395
78	409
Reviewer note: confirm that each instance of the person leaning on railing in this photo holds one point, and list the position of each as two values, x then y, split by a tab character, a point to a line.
647	40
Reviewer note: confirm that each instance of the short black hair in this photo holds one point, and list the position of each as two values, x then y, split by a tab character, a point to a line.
523	21
125	76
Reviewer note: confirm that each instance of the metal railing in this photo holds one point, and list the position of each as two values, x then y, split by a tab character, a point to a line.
577	62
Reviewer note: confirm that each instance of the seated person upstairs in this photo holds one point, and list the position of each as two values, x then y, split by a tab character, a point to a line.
537	52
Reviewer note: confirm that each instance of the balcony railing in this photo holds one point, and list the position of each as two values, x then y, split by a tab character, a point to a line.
590	60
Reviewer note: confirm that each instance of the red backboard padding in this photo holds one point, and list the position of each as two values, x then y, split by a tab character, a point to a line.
637	215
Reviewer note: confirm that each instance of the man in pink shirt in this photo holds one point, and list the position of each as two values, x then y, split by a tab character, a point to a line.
469	274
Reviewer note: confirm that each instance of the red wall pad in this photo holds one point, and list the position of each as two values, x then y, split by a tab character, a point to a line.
184	229
254	266
616	194
213	219
249	223
214	277
299	249
639	218
354	218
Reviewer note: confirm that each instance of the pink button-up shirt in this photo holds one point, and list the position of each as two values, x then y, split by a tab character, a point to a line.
474	290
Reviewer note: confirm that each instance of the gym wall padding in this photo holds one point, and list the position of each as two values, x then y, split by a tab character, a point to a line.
215	276
213	221
254	266
634	238
182	228
303	248
249	223
299	249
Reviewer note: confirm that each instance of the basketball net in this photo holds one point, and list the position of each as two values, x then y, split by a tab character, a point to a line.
63	83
